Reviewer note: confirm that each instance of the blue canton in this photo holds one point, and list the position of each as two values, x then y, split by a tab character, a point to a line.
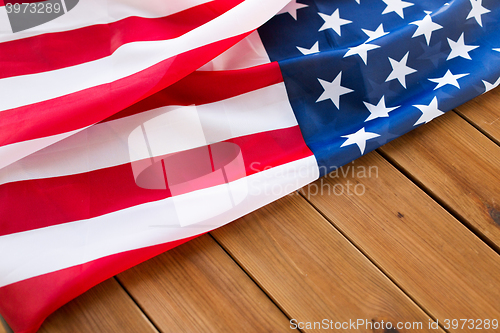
360	73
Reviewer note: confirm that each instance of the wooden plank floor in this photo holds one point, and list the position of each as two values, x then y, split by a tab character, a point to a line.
408	234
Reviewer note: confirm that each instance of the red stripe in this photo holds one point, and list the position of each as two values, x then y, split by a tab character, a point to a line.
70	48
27	303
208	87
89	106
81	196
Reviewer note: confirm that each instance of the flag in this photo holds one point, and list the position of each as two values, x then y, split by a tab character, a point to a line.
133	128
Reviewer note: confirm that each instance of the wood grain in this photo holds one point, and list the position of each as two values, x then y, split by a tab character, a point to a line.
2	328
309	269
458	165
484	113
445	268
197	287
104	308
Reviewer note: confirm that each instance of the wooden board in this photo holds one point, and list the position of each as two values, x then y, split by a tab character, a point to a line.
437	261
311	271
196	287
484	113
104	308
458	165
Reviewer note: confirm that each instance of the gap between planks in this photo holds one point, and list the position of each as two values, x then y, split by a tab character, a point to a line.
104	308
488	119
197	287
250	277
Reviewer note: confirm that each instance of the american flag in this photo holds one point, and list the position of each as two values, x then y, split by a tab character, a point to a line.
130	128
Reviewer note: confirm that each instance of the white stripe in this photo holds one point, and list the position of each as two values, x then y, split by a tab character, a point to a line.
93	12
106	144
249	52
133	57
32	253
18	150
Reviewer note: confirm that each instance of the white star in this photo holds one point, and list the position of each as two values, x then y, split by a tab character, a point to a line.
425	27
396	6
379	110
498	50
490	86
359	138
357	1
375	34
312	50
477	10
333	21
459	49
448	78
361	50
292	8
429	112
400	70
333	90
